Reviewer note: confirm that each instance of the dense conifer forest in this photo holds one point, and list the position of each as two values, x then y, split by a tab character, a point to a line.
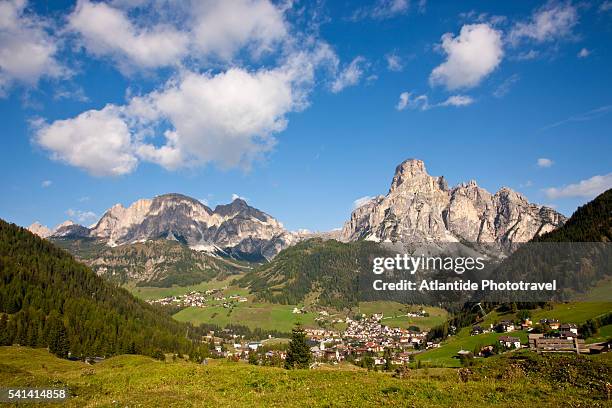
47	299
591	222
325	269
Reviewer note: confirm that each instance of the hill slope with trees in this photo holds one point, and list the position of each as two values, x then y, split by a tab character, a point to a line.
47	298
326	271
591	222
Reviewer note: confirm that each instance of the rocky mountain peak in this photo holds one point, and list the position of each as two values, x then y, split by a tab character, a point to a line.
70	229
40	230
235	228
420	207
411	177
408	170
66	223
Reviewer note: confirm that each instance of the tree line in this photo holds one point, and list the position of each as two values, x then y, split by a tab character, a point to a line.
48	299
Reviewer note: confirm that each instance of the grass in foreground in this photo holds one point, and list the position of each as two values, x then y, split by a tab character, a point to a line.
141	381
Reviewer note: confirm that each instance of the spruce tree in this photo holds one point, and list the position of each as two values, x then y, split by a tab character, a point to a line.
5	333
298	355
388	357
57	336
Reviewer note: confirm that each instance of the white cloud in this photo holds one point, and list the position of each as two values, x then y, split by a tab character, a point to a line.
228	119
544	162
550	22
409	100
76	93
384	9
223	27
588	188
107	31
82	216
527	55
27	52
394	62
582	117
237	197
458	100
412	101
98	141
471	56
361	201
166	33
474	16
503	89
349	76
583	53
46	183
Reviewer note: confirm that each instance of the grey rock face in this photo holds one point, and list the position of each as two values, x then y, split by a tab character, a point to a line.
235	228
67	229
421	208
40	230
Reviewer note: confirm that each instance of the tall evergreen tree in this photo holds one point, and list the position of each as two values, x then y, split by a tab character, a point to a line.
388	357
5	334
57	336
298	355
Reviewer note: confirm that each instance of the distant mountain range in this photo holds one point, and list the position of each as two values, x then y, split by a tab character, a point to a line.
418	208
326	273
236	229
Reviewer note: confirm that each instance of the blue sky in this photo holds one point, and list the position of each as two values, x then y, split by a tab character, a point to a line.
300	107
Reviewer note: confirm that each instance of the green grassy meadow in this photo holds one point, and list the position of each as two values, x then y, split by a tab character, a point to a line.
445	355
150	293
136	381
572	312
394	314
265	316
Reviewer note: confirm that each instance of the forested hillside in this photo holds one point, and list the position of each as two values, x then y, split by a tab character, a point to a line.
591	222
160	263
325	270
49	299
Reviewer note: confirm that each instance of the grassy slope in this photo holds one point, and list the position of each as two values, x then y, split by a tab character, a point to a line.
445	354
573	312
266	316
148	293
394	314
141	381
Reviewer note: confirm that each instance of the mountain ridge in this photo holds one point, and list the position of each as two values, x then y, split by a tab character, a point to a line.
235	229
419	207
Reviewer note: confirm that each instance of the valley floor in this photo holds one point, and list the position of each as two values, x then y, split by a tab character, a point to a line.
130	381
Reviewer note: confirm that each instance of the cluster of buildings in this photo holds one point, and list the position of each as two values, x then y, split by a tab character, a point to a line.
553	336
200	299
366	336
362	337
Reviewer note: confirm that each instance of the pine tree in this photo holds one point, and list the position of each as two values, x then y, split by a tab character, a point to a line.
387	356
57	337
5	334
253	359
298	355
